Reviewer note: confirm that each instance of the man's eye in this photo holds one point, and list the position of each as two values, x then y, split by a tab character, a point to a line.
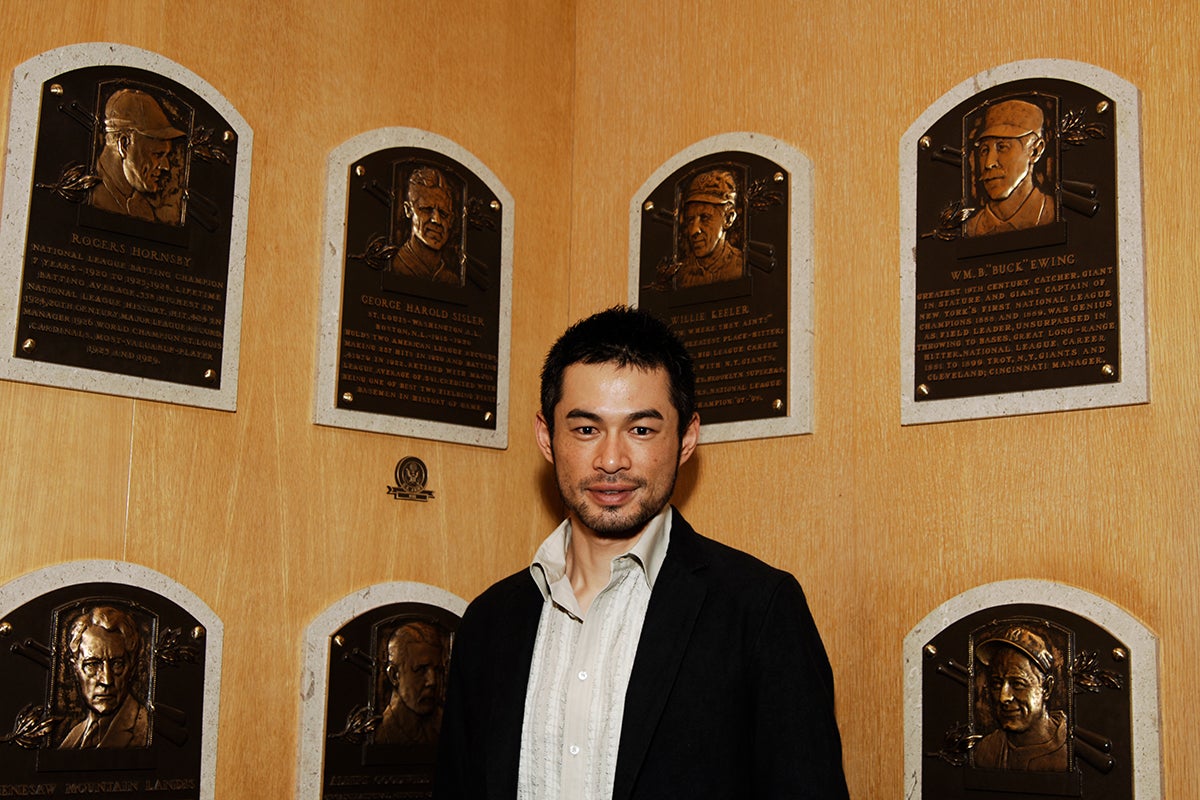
642	430
585	430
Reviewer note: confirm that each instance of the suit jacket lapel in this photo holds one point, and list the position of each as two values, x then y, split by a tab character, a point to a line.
511	680
674	605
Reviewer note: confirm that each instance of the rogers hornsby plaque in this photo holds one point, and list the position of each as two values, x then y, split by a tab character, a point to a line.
124	237
416	291
721	250
1022	267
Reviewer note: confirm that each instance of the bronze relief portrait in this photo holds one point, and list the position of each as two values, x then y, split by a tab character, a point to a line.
141	160
1010	174
1022	697
427	230
104	675
412	655
709	240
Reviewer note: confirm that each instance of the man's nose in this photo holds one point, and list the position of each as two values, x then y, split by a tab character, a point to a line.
1006	694
613	455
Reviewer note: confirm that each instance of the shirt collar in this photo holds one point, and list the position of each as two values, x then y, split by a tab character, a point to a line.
550	562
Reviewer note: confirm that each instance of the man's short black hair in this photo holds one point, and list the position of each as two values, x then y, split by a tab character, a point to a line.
627	337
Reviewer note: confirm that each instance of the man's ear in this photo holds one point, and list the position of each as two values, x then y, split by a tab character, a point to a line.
730	217
690	438
1038	150
541	430
124	142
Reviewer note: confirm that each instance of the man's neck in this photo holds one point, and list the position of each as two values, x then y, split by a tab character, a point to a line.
1006	208
589	561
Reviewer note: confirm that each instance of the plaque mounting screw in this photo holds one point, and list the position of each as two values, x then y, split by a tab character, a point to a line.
494	205
56	88
229	137
210	374
779	177
1119	654
340	641
198	632
923	390
1102	106
29	345
648	205
347	397
487	416
360	170
5	628
925	142
929	650
777	404
1108	370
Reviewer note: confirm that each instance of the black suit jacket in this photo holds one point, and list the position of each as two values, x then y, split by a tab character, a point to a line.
731	694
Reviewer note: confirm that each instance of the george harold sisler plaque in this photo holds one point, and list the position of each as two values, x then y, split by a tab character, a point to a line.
416	291
124	249
1023	267
111	675
720	249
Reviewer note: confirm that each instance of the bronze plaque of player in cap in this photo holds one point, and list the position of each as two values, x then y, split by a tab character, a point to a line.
416	291
1029	700
126	240
1023	292
105	689
721	251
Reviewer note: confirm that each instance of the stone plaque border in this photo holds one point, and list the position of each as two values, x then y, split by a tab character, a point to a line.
325	411
1143	669
798	418
20	590
315	678
25	108
1133	385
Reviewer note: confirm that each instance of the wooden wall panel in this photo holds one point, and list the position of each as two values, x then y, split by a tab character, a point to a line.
269	518
265	516
883	523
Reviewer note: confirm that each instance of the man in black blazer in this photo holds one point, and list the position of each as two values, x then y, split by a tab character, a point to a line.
635	658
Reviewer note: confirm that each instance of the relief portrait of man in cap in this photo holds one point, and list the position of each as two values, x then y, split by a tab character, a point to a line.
1020	688
429	209
707	213
1007	144
134	165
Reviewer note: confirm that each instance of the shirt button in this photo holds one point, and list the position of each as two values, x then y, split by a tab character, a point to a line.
574	749
583	675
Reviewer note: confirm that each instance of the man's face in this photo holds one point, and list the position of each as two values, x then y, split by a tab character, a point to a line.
418	677
616	448
1017	690
429	209
146	162
703	227
1006	162
102	667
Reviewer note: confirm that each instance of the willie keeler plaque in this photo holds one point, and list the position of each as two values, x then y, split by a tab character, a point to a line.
416	278
1024	279
129	266
721	252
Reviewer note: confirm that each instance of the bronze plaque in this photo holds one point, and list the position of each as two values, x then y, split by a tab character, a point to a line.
127	252
716	262
421	292
105	690
1023	701
387	670
1017	279
1023	287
